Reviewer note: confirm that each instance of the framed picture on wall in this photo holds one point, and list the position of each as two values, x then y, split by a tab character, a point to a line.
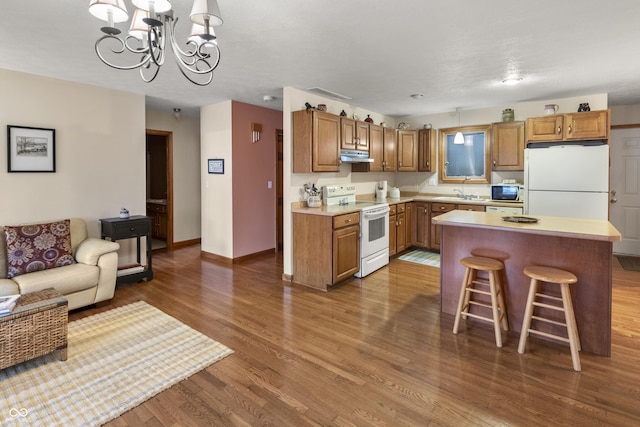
216	165
31	149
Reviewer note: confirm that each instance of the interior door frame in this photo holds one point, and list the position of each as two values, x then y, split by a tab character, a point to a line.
169	146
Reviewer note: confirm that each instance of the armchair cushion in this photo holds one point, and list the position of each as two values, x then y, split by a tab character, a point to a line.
36	247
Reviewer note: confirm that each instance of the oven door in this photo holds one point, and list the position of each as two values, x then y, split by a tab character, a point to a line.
374	223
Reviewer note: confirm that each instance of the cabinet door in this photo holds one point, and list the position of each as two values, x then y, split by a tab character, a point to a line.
408	220
346	252
316	142
401	235
326	137
392	234
438	209
545	128
407	151
376	148
348	134
390	150
426	150
587	125
507	148
362	136
422	225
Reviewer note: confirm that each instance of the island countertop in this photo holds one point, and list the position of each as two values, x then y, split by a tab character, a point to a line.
575	228
581	246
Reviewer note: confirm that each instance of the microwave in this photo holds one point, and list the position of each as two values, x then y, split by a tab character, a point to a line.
507	192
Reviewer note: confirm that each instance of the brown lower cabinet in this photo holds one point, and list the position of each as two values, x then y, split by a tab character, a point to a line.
326	249
400	227
422	227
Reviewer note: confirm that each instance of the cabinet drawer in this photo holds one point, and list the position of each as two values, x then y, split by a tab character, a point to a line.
478	208
400	208
344	220
442	207
392	209
156	208
126	228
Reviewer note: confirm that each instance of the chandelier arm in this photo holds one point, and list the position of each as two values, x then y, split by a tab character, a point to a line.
189	59
123	46
156	45
153	76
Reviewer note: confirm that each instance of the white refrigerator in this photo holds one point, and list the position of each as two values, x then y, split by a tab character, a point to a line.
569	180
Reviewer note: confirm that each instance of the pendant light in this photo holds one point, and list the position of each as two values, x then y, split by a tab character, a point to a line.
459	138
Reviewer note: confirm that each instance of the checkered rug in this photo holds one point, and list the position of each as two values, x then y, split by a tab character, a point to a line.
422	257
116	360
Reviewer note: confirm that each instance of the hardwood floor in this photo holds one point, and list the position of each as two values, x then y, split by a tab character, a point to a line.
375	351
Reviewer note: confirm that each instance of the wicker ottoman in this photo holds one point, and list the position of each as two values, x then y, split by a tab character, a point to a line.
36	326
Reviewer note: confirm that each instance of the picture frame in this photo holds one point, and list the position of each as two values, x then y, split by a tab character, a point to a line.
216	166
31	149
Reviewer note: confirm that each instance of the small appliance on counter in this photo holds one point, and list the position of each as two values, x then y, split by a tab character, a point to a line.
508	191
394	193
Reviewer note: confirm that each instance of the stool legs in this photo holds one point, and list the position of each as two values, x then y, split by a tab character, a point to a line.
496	294
572	329
569	316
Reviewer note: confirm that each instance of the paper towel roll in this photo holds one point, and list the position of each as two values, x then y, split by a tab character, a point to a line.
383	186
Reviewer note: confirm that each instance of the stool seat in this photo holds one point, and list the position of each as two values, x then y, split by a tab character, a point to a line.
482	263
550	274
474	285
551	303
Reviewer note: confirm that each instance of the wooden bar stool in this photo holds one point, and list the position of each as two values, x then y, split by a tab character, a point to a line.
545	301
497	306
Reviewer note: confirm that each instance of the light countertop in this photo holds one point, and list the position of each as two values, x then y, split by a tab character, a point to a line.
577	228
300	207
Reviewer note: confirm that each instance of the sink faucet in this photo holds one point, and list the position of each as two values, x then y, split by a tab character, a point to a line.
461	195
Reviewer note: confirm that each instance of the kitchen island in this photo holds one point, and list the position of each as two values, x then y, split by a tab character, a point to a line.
581	246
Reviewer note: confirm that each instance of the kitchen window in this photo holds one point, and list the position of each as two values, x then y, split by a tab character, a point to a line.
465	161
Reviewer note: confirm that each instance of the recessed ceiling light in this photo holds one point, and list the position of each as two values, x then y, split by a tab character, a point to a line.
417	95
512	81
268	98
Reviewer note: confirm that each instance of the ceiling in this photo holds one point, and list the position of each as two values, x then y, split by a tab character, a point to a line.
454	52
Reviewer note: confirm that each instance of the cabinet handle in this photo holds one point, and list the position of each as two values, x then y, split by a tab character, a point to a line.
347	221
569	129
559	130
494	163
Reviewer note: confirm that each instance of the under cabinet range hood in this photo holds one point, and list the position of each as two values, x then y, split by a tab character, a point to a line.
352	156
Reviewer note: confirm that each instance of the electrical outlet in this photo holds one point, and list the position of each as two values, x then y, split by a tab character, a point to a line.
269	184
433	181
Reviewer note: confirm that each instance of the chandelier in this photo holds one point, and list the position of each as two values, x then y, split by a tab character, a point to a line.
152	26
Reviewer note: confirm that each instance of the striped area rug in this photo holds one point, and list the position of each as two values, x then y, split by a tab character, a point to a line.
116	360
422	257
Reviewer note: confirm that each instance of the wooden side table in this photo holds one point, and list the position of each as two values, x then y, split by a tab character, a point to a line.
36	326
134	227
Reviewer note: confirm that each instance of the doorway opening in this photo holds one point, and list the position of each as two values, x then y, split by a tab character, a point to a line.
159	173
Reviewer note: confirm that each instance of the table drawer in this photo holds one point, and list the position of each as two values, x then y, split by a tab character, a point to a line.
127	228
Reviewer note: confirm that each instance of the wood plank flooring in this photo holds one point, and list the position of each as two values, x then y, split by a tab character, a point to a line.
372	352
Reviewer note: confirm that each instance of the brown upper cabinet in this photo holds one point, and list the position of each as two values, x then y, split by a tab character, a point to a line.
507	146
427	150
354	134
407	150
382	149
316	142
567	127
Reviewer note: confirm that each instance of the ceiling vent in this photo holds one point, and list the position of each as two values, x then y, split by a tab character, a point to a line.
327	93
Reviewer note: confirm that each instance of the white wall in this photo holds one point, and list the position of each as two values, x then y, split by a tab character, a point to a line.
625	115
186	171
216	189
100	151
